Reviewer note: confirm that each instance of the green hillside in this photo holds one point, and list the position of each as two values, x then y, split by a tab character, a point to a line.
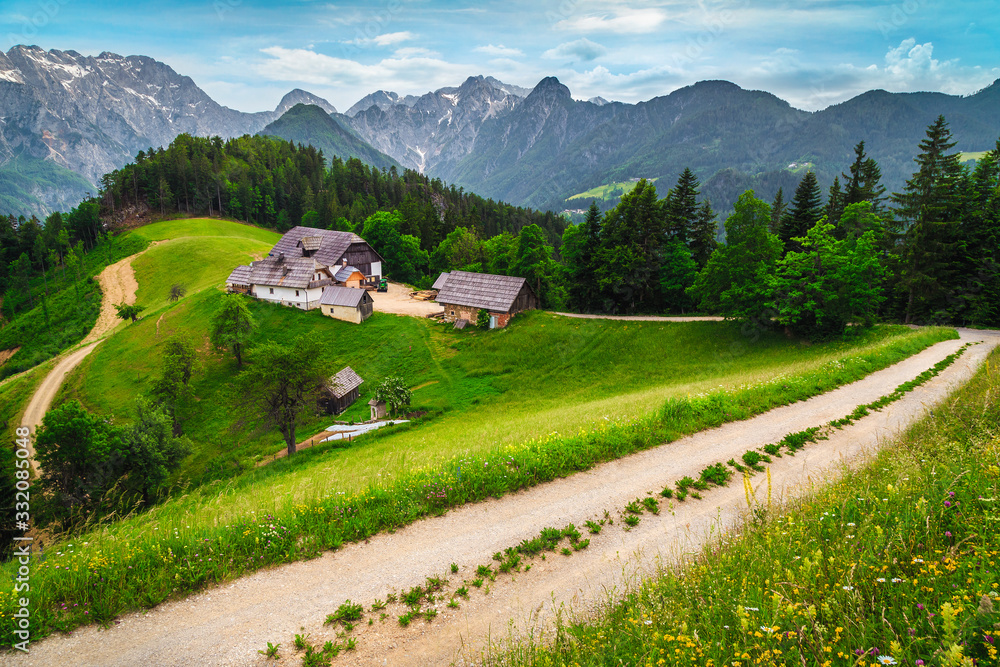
34	186
609	190
309	125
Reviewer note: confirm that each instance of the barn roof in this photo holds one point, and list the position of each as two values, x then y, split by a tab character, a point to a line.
480	290
346	272
284	271
344	382
239	276
330	245
441	280
337	295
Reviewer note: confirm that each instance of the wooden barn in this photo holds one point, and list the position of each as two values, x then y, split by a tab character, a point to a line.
346	303
464	294
341	391
305	261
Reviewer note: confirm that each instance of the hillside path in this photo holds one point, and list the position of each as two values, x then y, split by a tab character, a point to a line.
227	625
645	318
118	285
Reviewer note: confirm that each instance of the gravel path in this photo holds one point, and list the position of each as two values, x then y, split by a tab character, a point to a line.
227	625
646	318
118	285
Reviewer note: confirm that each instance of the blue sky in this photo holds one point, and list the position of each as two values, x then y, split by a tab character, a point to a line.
247	53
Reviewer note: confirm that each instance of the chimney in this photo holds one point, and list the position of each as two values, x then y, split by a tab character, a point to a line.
281	257
345	261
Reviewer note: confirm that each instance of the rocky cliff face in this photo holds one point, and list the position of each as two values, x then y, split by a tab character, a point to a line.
92	115
435	131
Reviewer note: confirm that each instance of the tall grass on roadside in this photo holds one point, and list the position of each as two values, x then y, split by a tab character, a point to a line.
102	574
896	563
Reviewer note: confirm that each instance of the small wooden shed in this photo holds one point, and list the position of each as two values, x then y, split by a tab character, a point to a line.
349	276
341	391
346	303
379	410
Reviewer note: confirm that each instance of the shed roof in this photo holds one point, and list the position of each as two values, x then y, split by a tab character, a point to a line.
480	290
338	295
286	272
344	382
239	276
346	272
332	244
441	280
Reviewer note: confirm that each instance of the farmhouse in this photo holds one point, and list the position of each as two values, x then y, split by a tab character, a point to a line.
346	303
341	391
464	294
305	261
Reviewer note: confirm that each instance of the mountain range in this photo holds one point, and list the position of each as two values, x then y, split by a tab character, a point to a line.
66	119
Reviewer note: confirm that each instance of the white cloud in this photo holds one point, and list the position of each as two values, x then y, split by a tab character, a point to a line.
343	81
498	50
623	21
581	49
390	38
414	52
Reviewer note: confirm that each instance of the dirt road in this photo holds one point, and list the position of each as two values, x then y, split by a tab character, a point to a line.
229	624
646	318
118	285
398	301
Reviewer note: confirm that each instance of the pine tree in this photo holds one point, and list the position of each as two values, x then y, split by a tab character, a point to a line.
864	183
681	207
928	211
583	292
703	236
805	211
778	207
835	202
981	231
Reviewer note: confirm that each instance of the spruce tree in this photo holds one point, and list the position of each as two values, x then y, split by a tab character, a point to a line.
980	229
681	207
778	207
927	212
835	202
805	211
864	183
702	237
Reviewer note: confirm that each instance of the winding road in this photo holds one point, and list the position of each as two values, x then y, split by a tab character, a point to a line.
118	285
228	625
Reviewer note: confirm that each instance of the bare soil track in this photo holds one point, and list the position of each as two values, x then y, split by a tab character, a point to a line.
229	624
118	285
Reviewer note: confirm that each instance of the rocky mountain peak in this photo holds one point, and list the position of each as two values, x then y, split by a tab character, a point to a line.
299	96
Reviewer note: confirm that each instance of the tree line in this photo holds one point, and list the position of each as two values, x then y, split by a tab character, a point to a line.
928	254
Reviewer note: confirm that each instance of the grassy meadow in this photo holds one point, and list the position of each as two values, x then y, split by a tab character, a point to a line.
505	409
894	564
609	189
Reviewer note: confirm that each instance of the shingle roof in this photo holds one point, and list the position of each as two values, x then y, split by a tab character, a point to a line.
239	276
311	242
337	295
332	244
344	382
345	272
288	272
441	280
480	290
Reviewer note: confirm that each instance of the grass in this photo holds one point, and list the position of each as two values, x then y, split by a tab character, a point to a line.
73	308
895	563
971	156
222	531
608	190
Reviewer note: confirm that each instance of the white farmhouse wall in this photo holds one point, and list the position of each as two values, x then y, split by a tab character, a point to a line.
307	299
377	269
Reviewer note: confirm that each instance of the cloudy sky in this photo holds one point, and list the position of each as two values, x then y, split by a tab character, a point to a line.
247	53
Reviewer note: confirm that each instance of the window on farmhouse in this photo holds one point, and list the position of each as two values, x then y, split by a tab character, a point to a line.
296	292
272	290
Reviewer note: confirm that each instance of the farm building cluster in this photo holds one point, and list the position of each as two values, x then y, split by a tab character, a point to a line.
336	272
314	268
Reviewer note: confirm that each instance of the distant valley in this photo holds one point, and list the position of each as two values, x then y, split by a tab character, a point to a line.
67	119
